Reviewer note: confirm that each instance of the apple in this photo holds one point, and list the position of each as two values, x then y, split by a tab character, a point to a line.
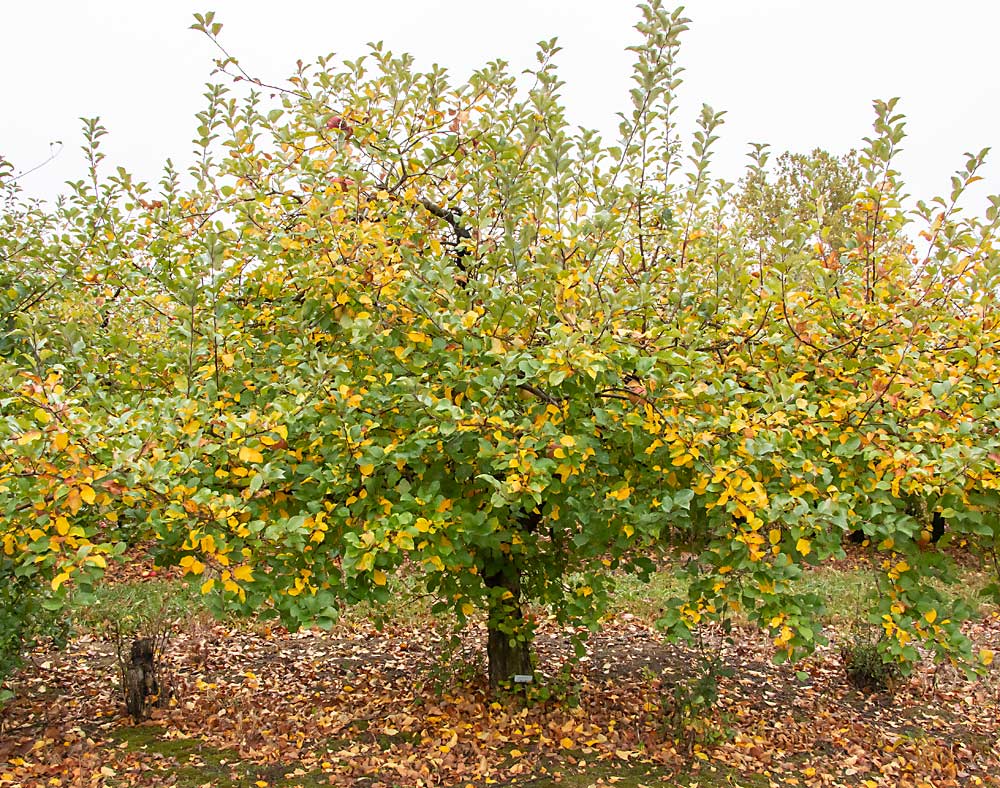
339	123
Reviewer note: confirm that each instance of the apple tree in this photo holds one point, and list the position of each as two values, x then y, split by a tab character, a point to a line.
390	321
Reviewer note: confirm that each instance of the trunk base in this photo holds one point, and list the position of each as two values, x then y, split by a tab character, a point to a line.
508	657
509	645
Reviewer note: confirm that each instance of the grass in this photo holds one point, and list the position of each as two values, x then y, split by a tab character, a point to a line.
600	775
847	594
136	605
195	764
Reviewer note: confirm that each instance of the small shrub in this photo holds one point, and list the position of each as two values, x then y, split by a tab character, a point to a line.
138	618
691	717
25	619
865	665
690	705
454	666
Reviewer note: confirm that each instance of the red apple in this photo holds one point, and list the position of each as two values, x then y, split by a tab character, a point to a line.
337	122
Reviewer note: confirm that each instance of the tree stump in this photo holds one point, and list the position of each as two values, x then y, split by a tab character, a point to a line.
139	678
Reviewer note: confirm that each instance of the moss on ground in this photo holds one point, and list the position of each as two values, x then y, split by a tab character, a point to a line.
644	776
195	764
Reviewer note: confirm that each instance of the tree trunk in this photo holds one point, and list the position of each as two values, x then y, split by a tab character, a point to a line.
507	648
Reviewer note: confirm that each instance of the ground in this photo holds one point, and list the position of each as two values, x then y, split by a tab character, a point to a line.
251	705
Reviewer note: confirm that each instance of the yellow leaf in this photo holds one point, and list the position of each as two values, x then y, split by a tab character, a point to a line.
73	500
192	565
567	441
379	577
244	573
98	560
367	469
62	525
208	585
87	494
468	609
403	540
621	493
250	455
931	616
629	530
986	656
59	579
60	441
803	546
566	742
774	536
28	437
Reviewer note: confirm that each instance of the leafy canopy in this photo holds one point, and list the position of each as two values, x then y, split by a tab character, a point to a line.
391	319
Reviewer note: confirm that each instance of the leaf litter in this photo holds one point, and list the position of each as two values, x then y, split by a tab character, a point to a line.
380	708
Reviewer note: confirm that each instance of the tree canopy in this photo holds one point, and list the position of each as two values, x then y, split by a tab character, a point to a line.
389	320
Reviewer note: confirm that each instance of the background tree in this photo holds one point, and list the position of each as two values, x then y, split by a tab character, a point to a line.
817	189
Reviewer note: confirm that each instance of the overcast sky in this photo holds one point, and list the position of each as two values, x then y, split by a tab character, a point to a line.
798	75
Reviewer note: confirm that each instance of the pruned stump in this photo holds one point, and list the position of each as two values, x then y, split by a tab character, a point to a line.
139	682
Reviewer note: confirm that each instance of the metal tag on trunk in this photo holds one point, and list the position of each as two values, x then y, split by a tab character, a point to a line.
522	679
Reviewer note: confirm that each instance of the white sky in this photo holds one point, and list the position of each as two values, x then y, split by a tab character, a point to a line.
795	74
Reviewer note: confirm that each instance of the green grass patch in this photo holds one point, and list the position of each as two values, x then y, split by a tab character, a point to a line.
700	775
847	593
408	604
646	601
137	605
195	763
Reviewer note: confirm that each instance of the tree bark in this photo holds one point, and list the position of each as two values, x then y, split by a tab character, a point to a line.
508	648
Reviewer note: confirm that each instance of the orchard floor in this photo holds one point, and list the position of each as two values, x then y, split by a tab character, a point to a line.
253	706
